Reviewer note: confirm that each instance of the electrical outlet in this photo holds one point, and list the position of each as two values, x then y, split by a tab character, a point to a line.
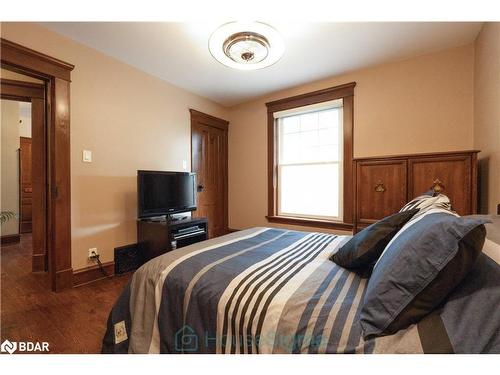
93	252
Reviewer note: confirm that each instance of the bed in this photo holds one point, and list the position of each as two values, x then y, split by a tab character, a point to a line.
268	290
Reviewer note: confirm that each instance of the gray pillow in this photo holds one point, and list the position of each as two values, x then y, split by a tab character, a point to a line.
362	251
425	261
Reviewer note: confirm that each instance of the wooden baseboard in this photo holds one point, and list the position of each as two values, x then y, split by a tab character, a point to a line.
92	273
232	230
63	280
38	263
10	239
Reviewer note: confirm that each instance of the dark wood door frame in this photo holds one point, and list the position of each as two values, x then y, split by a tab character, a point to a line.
35	93
197	116
56	74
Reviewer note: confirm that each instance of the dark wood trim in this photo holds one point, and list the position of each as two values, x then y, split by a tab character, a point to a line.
62	280
315	223
348	113
39	176
345	92
226	181
39	262
56	74
418	155
313	97
10	239
93	273
60	182
209	120
21	91
498	209
272	172
474	183
26	60
232	230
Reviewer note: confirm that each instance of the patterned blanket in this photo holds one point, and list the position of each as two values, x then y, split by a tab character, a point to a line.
267	290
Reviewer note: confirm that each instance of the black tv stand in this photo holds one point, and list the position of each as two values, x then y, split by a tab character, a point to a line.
156	237
164	218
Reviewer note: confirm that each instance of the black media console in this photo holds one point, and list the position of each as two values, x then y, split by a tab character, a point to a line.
156	237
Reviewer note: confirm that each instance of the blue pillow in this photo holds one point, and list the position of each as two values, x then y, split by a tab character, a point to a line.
421	265
362	251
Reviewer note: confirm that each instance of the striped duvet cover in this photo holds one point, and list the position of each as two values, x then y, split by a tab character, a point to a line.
267	290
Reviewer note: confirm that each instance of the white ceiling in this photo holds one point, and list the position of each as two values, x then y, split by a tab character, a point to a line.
178	52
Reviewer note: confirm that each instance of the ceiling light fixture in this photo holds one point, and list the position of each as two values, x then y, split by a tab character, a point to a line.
246	46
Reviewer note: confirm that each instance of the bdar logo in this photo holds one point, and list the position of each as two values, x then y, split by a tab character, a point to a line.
24	346
8	346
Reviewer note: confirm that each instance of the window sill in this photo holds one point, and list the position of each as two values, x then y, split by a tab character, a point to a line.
316	223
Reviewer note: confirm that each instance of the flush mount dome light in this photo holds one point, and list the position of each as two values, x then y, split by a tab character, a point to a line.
246	46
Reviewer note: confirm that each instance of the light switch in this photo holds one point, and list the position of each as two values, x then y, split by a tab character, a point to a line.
87	156
185	165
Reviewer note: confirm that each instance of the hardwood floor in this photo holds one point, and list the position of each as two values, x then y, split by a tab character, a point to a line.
72	321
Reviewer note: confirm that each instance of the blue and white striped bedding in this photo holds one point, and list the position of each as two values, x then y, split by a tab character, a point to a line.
264	290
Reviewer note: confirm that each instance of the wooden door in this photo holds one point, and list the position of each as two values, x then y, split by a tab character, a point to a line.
25	185
381	189
209	162
450	175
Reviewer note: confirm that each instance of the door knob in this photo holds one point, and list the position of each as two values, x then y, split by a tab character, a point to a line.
200	188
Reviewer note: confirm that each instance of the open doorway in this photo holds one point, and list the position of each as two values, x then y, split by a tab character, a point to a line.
55	75
23	171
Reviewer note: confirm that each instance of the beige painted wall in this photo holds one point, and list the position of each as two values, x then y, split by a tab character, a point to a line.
487	114
10	163
129	120
424	104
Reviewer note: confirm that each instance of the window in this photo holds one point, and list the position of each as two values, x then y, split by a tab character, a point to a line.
309	161
310	158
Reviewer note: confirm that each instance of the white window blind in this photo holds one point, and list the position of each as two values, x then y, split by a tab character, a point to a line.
309	161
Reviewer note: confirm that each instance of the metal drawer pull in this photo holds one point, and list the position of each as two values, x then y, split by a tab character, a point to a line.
437	186
379	187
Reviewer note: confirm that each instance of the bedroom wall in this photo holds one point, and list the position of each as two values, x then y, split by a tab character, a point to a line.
487	114
129	120
424	104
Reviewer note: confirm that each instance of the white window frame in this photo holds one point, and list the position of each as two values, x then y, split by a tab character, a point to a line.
278	116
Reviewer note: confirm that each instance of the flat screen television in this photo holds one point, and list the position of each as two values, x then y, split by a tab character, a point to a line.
165	193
